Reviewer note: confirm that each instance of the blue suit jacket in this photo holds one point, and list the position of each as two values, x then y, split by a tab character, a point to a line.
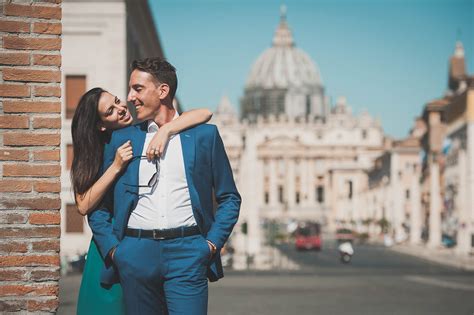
208	173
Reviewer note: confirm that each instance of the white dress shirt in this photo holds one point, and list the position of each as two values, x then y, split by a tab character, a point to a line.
167	204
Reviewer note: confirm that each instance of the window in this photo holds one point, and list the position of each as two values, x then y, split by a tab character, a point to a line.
267	197
69	156
297	197
320	194
75	88
74	221
349	189
364	134
280	194
407	194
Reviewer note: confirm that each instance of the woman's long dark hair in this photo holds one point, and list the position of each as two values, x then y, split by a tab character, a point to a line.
88	142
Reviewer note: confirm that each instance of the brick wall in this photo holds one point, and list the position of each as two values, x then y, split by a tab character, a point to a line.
30	121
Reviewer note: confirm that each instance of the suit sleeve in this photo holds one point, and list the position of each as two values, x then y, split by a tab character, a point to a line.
227	197
100	220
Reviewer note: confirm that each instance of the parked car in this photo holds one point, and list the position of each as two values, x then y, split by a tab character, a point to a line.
308	236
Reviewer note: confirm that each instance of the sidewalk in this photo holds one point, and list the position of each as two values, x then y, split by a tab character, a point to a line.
443	256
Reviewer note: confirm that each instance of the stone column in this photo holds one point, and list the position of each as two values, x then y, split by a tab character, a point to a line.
470	171
415	208
311	186
250	244
397	197
435	206
461	204
273	187
290	182
304	182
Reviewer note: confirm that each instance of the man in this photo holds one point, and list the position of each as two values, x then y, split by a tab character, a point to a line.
159	235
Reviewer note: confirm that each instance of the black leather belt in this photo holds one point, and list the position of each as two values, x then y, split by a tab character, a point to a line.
164	234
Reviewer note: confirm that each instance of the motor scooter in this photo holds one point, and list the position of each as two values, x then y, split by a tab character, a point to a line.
346	251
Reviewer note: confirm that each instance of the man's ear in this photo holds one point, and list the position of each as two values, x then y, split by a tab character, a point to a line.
164	90
100	126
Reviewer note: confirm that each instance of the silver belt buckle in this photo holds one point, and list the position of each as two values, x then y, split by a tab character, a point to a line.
156	237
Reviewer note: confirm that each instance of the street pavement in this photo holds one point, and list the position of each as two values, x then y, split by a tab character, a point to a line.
377	281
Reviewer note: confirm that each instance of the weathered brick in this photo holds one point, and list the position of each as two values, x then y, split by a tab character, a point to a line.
15	185
47	122
45	218
31	43
36	11
13	275
29	139
44	246
47	28
31	203
13	155
47	91
31	107
50	305
51	290
47	60
52	155
14	90
19	289
48	1
47	186
45	275
13	305
14	247
7	58
14	26
31	232
6	290
31	75
29	260
13	218
43	170
14	122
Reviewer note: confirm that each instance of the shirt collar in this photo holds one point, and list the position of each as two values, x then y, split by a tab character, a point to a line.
153	127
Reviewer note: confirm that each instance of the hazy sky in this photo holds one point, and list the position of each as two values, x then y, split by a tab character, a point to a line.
388	57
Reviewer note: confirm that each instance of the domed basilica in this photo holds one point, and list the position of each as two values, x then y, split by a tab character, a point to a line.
295	156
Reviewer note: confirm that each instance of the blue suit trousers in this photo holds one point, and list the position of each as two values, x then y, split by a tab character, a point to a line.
164	276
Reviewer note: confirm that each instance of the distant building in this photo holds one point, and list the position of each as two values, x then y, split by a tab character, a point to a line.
294	157
392	198
455	217
100	39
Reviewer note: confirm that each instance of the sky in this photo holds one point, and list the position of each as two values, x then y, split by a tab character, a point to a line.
389	57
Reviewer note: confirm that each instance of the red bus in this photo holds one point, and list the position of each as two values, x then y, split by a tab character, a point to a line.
308	236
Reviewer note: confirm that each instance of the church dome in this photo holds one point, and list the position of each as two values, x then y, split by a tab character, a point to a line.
283	80
283	65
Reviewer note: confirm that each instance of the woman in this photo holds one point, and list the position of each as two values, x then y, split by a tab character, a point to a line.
97	115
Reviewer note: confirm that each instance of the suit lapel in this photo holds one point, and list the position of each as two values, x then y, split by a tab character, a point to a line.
188	145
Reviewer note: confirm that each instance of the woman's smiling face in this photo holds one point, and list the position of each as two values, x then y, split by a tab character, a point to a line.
113	113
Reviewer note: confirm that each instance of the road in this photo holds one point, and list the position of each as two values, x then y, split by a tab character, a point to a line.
377	281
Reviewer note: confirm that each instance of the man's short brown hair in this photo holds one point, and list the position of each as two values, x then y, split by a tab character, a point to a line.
160	69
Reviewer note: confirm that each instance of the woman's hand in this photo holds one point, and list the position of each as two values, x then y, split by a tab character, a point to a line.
158	144
123	156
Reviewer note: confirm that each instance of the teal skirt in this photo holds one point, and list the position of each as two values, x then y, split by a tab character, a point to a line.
93	298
